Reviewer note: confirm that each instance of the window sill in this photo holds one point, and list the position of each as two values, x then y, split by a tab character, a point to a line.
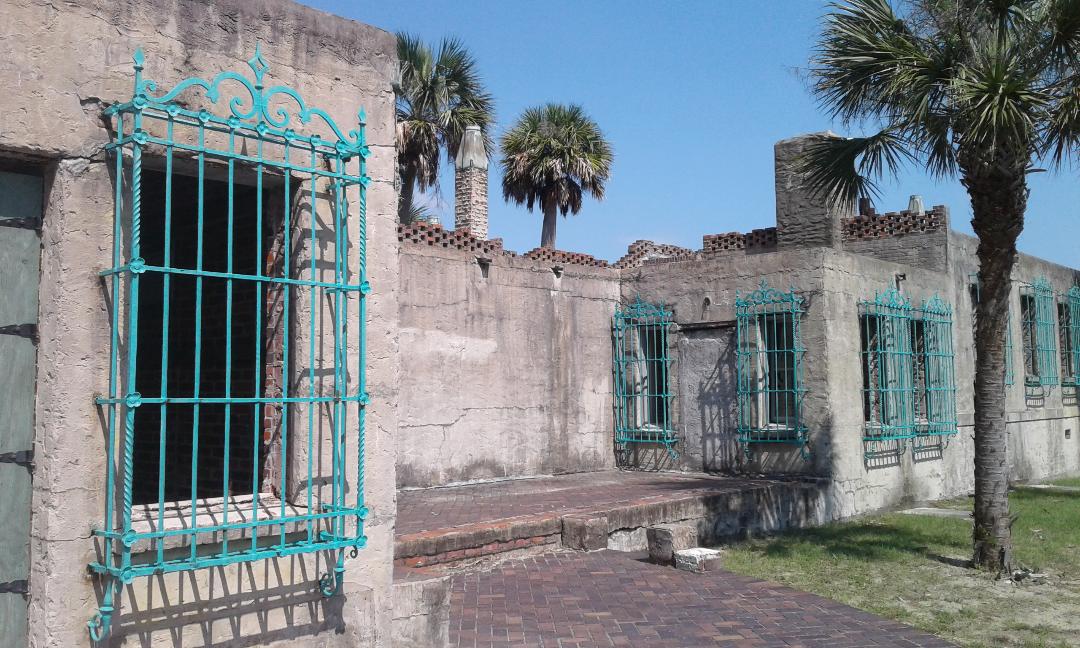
175	520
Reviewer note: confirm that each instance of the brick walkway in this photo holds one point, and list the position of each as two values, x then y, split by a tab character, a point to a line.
564	600
441	508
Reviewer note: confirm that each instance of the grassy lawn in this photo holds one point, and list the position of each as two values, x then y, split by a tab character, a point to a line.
913	569
1073	482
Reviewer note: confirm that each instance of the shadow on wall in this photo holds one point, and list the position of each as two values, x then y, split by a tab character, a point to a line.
751	512
721	450
646	457
248	604
716	404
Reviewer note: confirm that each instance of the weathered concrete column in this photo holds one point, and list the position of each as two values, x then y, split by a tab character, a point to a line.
802	219
471	184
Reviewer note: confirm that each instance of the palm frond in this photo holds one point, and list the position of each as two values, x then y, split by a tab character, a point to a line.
842	170
997	97
1060	139
438	94
869	61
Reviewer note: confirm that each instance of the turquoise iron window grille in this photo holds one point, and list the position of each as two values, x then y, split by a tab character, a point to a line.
1069	316
642	372
187	409
1010	371
888	369
1039	336
769	357
909	373
936	370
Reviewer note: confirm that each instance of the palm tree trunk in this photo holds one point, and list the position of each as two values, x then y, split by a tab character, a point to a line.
998	191
551	214
405	201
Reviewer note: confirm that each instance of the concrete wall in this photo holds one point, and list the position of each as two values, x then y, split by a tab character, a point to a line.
507	375
63	64
928	250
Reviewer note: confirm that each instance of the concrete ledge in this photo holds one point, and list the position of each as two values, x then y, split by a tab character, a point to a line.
715	514
469	541
585	532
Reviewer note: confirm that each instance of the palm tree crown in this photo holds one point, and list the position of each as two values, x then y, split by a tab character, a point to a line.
960	85
552	156
982	89
438	95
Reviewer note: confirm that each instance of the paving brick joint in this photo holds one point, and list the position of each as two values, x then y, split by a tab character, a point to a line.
608	598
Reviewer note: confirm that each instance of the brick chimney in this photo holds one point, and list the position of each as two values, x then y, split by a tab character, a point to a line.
471	184
802	219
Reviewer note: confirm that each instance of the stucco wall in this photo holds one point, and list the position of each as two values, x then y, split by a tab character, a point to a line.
63	63
507	375
701	294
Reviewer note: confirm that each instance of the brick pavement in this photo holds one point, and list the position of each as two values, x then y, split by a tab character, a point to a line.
606	598
441	508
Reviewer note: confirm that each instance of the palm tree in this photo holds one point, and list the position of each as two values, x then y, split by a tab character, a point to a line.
438	95
551	155
980	89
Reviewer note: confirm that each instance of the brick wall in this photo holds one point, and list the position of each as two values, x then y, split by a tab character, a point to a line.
471	201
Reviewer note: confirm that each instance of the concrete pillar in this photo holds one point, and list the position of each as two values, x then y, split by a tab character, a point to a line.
802	219
471	184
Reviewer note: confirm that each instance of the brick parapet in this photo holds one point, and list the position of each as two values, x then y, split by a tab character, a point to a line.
640	253
758	240
551	255
881	226
434	235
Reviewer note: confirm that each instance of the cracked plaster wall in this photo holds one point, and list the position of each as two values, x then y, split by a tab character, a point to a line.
507	375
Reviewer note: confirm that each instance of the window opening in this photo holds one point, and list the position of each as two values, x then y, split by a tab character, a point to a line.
908	367
769	358
1069	327
642	375
1039	336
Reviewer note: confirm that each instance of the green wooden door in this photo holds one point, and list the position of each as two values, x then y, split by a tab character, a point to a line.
20	252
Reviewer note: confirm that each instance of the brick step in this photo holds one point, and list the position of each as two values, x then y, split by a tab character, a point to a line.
721	513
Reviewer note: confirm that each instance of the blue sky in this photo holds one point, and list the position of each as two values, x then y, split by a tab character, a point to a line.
692	96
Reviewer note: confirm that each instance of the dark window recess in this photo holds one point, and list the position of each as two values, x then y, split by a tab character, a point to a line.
219	431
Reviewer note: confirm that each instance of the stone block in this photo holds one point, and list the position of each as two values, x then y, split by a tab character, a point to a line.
697	559
422	613
666	539
629	540
585	532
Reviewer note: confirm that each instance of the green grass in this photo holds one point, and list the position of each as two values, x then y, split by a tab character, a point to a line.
1072	482
914	569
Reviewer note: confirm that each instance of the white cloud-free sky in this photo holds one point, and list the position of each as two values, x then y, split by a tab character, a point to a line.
692	95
